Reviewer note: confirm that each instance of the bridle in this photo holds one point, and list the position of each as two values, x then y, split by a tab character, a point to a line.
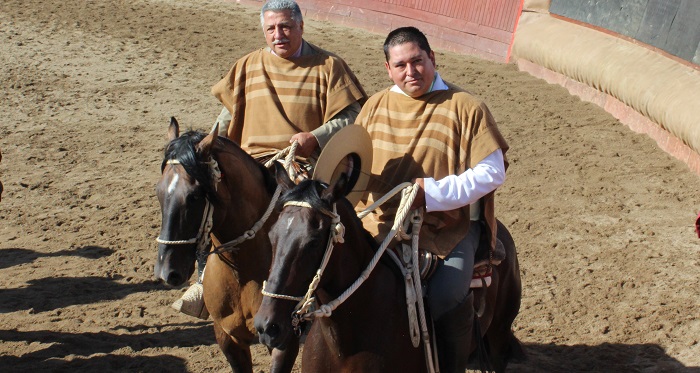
203	238
304	303
417	320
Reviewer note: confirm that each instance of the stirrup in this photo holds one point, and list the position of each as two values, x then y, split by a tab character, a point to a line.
192	302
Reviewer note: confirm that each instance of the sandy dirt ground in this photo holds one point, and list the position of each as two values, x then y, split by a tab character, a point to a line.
602	218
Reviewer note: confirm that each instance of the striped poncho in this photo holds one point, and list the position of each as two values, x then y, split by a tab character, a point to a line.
271	98
438	134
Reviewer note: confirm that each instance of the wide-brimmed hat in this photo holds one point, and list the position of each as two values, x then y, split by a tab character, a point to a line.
348	151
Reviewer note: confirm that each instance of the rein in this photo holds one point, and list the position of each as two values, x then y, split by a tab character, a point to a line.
336	235
203	238
411	274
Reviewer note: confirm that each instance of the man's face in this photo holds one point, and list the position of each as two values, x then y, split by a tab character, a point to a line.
282	33
411	68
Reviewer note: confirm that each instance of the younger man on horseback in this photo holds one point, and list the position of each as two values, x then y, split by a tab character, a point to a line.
289	91
426	130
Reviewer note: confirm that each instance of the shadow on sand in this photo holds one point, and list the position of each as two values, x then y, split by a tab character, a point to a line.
98	352
606	357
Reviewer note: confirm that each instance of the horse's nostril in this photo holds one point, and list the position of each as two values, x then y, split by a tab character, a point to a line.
273	330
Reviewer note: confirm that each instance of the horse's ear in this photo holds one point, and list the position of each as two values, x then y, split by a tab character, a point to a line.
338	189
215	129
204	146
173	129
282	176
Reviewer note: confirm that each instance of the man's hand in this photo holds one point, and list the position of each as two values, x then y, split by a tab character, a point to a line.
420	195
307	143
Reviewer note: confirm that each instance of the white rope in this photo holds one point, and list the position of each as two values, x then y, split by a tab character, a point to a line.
279	296
207	218
409	194
250	233
417	221
384	198
290	154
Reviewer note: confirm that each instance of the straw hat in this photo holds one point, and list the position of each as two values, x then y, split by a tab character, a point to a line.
348	151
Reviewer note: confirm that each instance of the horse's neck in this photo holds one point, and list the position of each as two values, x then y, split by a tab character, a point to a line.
249	196
351	258
366	310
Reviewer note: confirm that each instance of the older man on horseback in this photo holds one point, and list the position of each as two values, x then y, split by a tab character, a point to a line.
426	130
289	91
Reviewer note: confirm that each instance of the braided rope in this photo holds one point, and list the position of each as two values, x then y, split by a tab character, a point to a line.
384	198
335	235
279	296
409	192
250	233
289	154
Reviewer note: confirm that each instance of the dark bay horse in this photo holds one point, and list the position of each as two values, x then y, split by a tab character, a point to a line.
369	332
239	190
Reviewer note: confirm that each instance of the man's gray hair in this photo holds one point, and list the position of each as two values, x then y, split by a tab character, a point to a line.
280	5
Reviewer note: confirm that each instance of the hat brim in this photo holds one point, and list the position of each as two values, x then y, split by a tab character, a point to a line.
349	151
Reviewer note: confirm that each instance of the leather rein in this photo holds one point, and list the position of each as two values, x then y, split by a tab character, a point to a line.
203	238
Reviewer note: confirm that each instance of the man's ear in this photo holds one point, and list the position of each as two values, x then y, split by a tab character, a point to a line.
432	59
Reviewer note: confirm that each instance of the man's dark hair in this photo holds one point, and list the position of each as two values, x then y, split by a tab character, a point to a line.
406	35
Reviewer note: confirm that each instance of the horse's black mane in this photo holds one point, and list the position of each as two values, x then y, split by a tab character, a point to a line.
308	191
183	149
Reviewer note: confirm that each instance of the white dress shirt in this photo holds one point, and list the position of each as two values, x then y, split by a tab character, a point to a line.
455	191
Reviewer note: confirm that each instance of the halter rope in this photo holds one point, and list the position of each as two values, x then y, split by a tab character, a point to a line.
202	239
203	236
326	310
289	153
411	274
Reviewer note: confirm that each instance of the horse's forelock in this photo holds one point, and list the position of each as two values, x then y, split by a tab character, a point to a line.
183	150
306	191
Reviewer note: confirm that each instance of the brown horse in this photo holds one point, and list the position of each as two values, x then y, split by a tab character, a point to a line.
202	172
369	332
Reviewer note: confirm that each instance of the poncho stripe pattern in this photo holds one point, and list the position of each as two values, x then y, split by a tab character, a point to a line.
272	98
439	134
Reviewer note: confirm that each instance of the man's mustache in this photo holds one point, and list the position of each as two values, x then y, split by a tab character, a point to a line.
280	41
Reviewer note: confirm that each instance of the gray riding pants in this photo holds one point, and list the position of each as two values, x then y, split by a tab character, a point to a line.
450	284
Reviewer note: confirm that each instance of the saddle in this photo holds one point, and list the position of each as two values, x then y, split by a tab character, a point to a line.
483	263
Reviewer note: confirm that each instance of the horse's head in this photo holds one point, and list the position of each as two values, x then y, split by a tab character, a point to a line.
299	237
186	191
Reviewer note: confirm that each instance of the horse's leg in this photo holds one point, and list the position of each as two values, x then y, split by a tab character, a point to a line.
503	344
237	353
283	360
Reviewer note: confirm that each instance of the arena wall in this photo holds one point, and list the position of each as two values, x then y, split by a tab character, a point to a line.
475	27
645	86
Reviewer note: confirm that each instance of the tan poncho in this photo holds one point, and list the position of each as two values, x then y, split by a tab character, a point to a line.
271	98
439	134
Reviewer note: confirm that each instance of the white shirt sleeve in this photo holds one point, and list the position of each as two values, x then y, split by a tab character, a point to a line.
455	191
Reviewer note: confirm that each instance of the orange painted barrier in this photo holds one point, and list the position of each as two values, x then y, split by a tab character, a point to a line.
476	27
